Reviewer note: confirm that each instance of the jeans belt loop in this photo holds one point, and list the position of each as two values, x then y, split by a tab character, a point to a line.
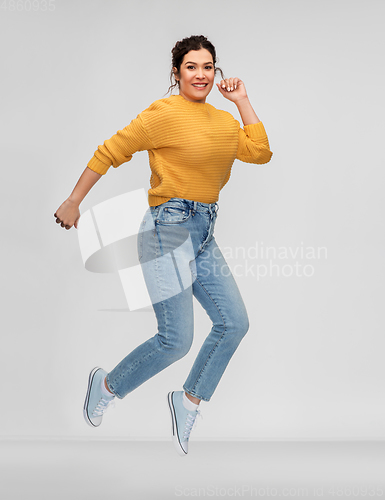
195	207
214	209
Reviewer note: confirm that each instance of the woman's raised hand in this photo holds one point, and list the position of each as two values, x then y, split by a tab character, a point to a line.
233	89
68	214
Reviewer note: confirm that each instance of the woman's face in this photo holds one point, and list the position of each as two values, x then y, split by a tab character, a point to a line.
196	75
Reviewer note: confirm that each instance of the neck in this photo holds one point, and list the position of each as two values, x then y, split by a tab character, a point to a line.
201	101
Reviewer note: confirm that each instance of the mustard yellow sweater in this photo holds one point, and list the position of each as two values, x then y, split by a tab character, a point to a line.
191	147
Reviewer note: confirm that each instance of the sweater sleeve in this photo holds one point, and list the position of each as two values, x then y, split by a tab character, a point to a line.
253	144
121	146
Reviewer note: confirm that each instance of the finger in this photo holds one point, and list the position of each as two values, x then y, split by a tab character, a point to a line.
67	226
228	86
224	87
58	221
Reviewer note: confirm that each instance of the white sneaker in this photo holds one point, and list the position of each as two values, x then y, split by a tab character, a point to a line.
96	402
183	421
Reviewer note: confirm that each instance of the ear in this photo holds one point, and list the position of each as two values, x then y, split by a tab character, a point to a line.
175	71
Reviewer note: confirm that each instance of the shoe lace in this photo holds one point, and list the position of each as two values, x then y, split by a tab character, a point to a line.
191	423
102	406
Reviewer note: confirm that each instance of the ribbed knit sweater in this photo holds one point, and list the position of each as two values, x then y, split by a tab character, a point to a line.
191	147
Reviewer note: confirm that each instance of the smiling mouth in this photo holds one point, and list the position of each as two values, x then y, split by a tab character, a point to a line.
200	85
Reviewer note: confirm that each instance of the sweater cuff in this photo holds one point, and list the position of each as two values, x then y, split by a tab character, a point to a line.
255	131
98	166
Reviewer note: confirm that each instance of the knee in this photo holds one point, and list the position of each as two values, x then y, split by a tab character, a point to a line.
178	347
239	325
243	327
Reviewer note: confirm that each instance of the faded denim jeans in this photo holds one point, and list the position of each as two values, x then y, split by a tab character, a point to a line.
180	258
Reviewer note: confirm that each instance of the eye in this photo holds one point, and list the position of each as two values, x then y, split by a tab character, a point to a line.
206	67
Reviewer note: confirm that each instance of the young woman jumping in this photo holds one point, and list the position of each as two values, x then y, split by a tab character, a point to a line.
192	147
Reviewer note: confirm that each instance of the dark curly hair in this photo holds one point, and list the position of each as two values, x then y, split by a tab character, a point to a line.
181	48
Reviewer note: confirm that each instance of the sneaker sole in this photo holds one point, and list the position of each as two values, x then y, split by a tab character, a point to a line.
175	438
85	413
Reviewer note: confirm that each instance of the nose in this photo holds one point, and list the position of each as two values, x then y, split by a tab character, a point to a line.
200	73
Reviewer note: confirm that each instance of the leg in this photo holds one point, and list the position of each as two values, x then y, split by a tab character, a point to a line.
106	386
216	289
171	343
173	307
192	399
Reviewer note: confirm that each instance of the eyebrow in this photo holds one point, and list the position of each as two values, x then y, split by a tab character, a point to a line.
191	62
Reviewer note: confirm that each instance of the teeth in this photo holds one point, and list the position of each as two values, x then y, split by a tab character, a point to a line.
199	84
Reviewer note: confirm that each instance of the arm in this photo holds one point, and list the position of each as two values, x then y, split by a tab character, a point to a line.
115	151
68	213
86	181
121	146
234	90
253	146
247	112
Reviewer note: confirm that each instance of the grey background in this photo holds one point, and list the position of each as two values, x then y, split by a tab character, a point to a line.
311	366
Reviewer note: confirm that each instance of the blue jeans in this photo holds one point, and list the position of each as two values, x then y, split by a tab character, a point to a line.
180	258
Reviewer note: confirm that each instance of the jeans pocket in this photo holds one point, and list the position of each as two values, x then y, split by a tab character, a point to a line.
173	214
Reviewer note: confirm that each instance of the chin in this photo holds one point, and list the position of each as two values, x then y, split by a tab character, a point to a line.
201	94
